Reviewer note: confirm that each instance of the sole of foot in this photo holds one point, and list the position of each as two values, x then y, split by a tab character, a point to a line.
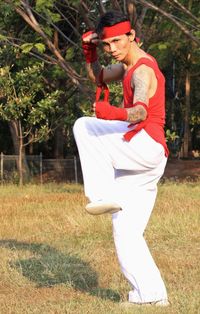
99	208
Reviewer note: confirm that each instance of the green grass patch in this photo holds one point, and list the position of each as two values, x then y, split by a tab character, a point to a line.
55	258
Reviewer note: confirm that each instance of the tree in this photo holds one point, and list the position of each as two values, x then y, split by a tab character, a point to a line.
21	47
166	27
179	58
32	112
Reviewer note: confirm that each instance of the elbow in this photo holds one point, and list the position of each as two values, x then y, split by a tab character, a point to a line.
137	114
144	115
90	73
142	111
92	77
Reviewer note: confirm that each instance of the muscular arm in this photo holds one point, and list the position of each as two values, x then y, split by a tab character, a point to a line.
112	72
141	81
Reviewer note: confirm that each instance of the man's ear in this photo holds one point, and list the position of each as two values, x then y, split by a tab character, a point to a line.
132	36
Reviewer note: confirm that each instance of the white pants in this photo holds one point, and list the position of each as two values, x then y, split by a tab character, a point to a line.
126	173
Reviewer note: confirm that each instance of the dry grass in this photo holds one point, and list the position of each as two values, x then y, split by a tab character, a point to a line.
55	258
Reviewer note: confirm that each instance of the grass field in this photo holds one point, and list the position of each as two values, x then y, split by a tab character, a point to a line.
55	258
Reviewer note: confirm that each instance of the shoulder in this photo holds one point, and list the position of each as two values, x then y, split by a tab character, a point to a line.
143	69
143	73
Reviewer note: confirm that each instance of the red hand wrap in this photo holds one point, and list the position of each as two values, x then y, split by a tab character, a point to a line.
89	49
105	111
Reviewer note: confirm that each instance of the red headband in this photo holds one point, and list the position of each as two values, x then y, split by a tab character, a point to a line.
116	30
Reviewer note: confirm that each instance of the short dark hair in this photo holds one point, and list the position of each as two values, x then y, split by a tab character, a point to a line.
110	18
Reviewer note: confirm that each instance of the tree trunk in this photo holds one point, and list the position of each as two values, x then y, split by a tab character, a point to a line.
59	143
30	149
15	136
20	161
58	153
187	135
19	150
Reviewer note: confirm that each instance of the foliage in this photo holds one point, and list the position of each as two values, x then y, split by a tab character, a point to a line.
49	31
171	136
25	98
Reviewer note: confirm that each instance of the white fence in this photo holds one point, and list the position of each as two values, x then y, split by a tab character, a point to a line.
41	170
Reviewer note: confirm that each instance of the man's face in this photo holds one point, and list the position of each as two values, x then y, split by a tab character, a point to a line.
118	47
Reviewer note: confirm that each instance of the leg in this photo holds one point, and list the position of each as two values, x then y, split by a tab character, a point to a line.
104	155
94	139
134	257
127	173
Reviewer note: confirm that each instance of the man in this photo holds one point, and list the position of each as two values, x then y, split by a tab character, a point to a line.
123	151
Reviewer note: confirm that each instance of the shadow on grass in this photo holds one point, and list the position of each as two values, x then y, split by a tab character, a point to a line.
49	267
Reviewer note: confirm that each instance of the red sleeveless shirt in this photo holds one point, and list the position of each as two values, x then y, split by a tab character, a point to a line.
155	121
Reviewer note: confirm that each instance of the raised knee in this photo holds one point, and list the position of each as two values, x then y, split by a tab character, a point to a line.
79	124
82	124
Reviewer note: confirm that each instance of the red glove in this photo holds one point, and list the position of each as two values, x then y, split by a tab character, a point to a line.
89	49
104	110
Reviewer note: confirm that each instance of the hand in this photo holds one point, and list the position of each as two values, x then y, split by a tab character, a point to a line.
90	37
89	44
103	110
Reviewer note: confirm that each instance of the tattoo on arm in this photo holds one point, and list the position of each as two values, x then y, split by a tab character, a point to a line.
113	72
136	114
109	67
140	82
